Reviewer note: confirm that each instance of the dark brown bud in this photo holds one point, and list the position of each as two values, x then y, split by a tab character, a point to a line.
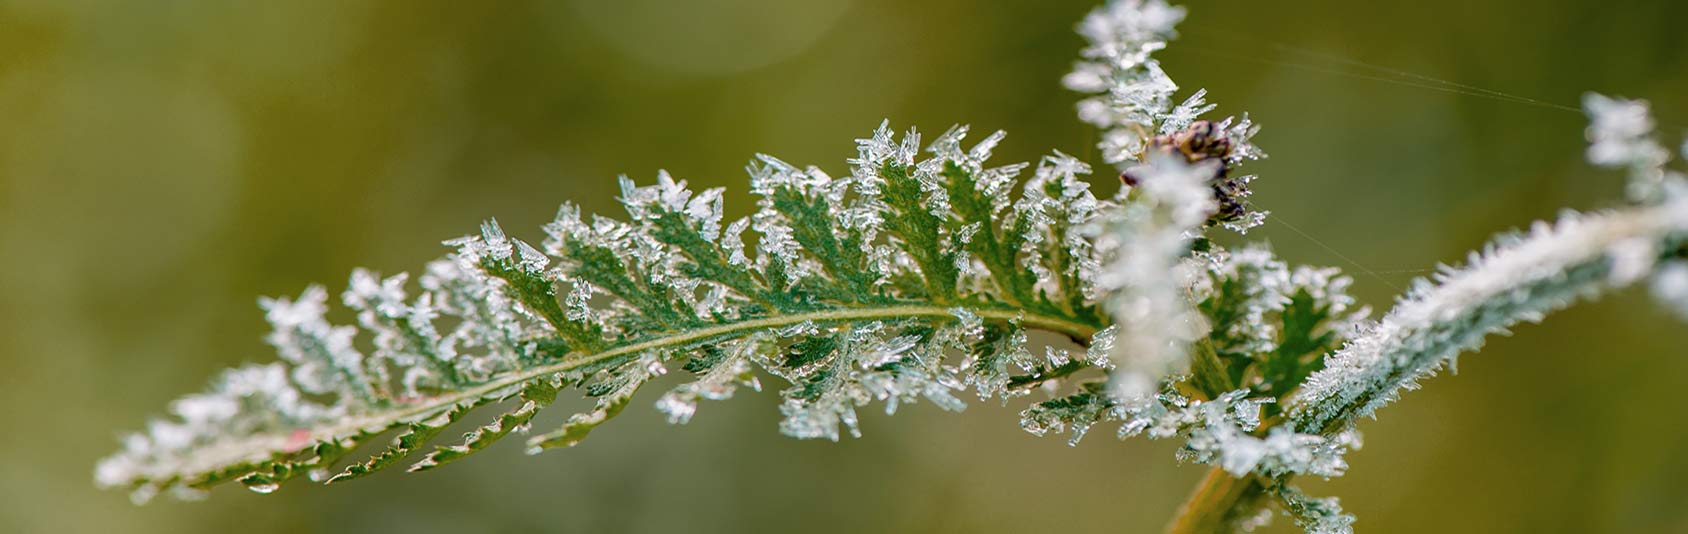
1201	141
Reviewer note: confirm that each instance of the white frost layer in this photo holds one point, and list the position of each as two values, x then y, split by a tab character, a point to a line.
1516	279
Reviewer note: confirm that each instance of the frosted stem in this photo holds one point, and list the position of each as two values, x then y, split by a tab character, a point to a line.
1217	503
1515	280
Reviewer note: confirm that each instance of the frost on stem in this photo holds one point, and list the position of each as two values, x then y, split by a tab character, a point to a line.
1518	277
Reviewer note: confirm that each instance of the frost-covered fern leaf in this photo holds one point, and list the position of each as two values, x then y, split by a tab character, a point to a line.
911	278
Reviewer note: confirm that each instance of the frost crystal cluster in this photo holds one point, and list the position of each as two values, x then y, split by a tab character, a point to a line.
918	276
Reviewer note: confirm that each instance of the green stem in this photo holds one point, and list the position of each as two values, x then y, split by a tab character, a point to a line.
1219	503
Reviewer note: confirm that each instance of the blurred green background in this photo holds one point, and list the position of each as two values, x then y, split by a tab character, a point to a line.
164	163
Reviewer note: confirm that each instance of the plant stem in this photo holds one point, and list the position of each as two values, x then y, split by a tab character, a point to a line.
1218	504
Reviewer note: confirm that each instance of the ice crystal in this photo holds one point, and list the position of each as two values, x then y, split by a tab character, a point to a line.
719	375
1316	515
404	332
489	338
1671	286
1251	283
1277	319
322	355
1620	135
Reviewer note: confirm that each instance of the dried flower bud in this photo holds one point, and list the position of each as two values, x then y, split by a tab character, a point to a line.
1202	141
